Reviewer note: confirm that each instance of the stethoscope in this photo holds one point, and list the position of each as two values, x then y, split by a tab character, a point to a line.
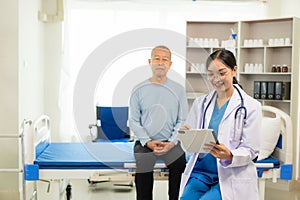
237	126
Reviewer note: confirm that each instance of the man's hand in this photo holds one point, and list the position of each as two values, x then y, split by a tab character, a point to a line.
154	145
160	148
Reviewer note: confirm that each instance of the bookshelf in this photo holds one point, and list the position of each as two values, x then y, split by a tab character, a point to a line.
260	45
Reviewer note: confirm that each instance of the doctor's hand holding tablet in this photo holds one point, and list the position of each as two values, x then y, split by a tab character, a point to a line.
203	141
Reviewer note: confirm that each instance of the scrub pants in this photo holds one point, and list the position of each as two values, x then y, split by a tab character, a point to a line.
145	161
196	189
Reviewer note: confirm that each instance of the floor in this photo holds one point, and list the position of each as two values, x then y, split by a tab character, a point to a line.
82	190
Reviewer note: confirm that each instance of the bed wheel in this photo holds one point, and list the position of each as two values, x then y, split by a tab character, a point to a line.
68	192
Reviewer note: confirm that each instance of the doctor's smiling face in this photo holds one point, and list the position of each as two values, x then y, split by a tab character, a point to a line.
220	75
221	71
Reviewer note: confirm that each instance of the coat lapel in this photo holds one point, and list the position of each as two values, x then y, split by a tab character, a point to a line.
235	102
209	104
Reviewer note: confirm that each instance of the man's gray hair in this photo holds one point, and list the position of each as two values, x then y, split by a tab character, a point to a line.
161	47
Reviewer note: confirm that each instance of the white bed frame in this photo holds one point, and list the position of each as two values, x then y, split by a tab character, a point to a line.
284	155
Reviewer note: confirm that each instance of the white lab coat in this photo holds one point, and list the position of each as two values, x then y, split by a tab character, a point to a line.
238	178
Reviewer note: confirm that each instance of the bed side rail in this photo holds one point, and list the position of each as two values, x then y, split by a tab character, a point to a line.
42	135
284	151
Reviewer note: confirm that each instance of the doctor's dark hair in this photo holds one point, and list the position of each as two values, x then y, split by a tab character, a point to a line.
226	57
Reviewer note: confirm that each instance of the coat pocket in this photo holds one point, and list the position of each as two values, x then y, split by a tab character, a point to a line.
244	188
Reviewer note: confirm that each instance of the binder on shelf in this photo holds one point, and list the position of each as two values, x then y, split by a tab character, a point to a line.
271	90
256	91
278	90
263	90
286	88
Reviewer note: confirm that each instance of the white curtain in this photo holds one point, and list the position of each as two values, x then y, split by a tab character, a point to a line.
90	25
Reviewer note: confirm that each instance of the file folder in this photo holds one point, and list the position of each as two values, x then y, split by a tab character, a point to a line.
278	90
271	90
256	90
263	90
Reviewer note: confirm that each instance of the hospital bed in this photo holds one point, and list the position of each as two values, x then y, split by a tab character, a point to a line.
56	162
279	164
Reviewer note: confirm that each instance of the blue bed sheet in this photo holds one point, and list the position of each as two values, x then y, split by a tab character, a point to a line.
98	156
86	155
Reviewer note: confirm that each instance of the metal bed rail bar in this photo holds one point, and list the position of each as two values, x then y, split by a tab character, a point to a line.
22	184
10	135
7	136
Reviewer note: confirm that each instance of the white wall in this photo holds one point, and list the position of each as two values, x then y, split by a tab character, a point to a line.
53	53
9	66
283	8
21	83
31	61
9	92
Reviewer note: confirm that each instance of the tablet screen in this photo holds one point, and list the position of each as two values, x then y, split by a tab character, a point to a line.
193	140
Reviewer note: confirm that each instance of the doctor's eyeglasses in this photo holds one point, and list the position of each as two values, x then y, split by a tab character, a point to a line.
211	75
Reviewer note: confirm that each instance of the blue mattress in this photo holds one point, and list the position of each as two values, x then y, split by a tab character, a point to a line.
99	155
85	155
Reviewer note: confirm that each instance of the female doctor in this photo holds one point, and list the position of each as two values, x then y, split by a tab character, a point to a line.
227	172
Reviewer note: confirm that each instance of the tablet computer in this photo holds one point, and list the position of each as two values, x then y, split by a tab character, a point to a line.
193	140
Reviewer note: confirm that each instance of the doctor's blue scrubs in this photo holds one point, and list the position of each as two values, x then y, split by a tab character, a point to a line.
204	182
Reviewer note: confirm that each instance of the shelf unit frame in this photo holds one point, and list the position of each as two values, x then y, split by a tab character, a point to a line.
267	54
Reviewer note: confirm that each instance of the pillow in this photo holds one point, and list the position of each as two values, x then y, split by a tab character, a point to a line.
270	131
